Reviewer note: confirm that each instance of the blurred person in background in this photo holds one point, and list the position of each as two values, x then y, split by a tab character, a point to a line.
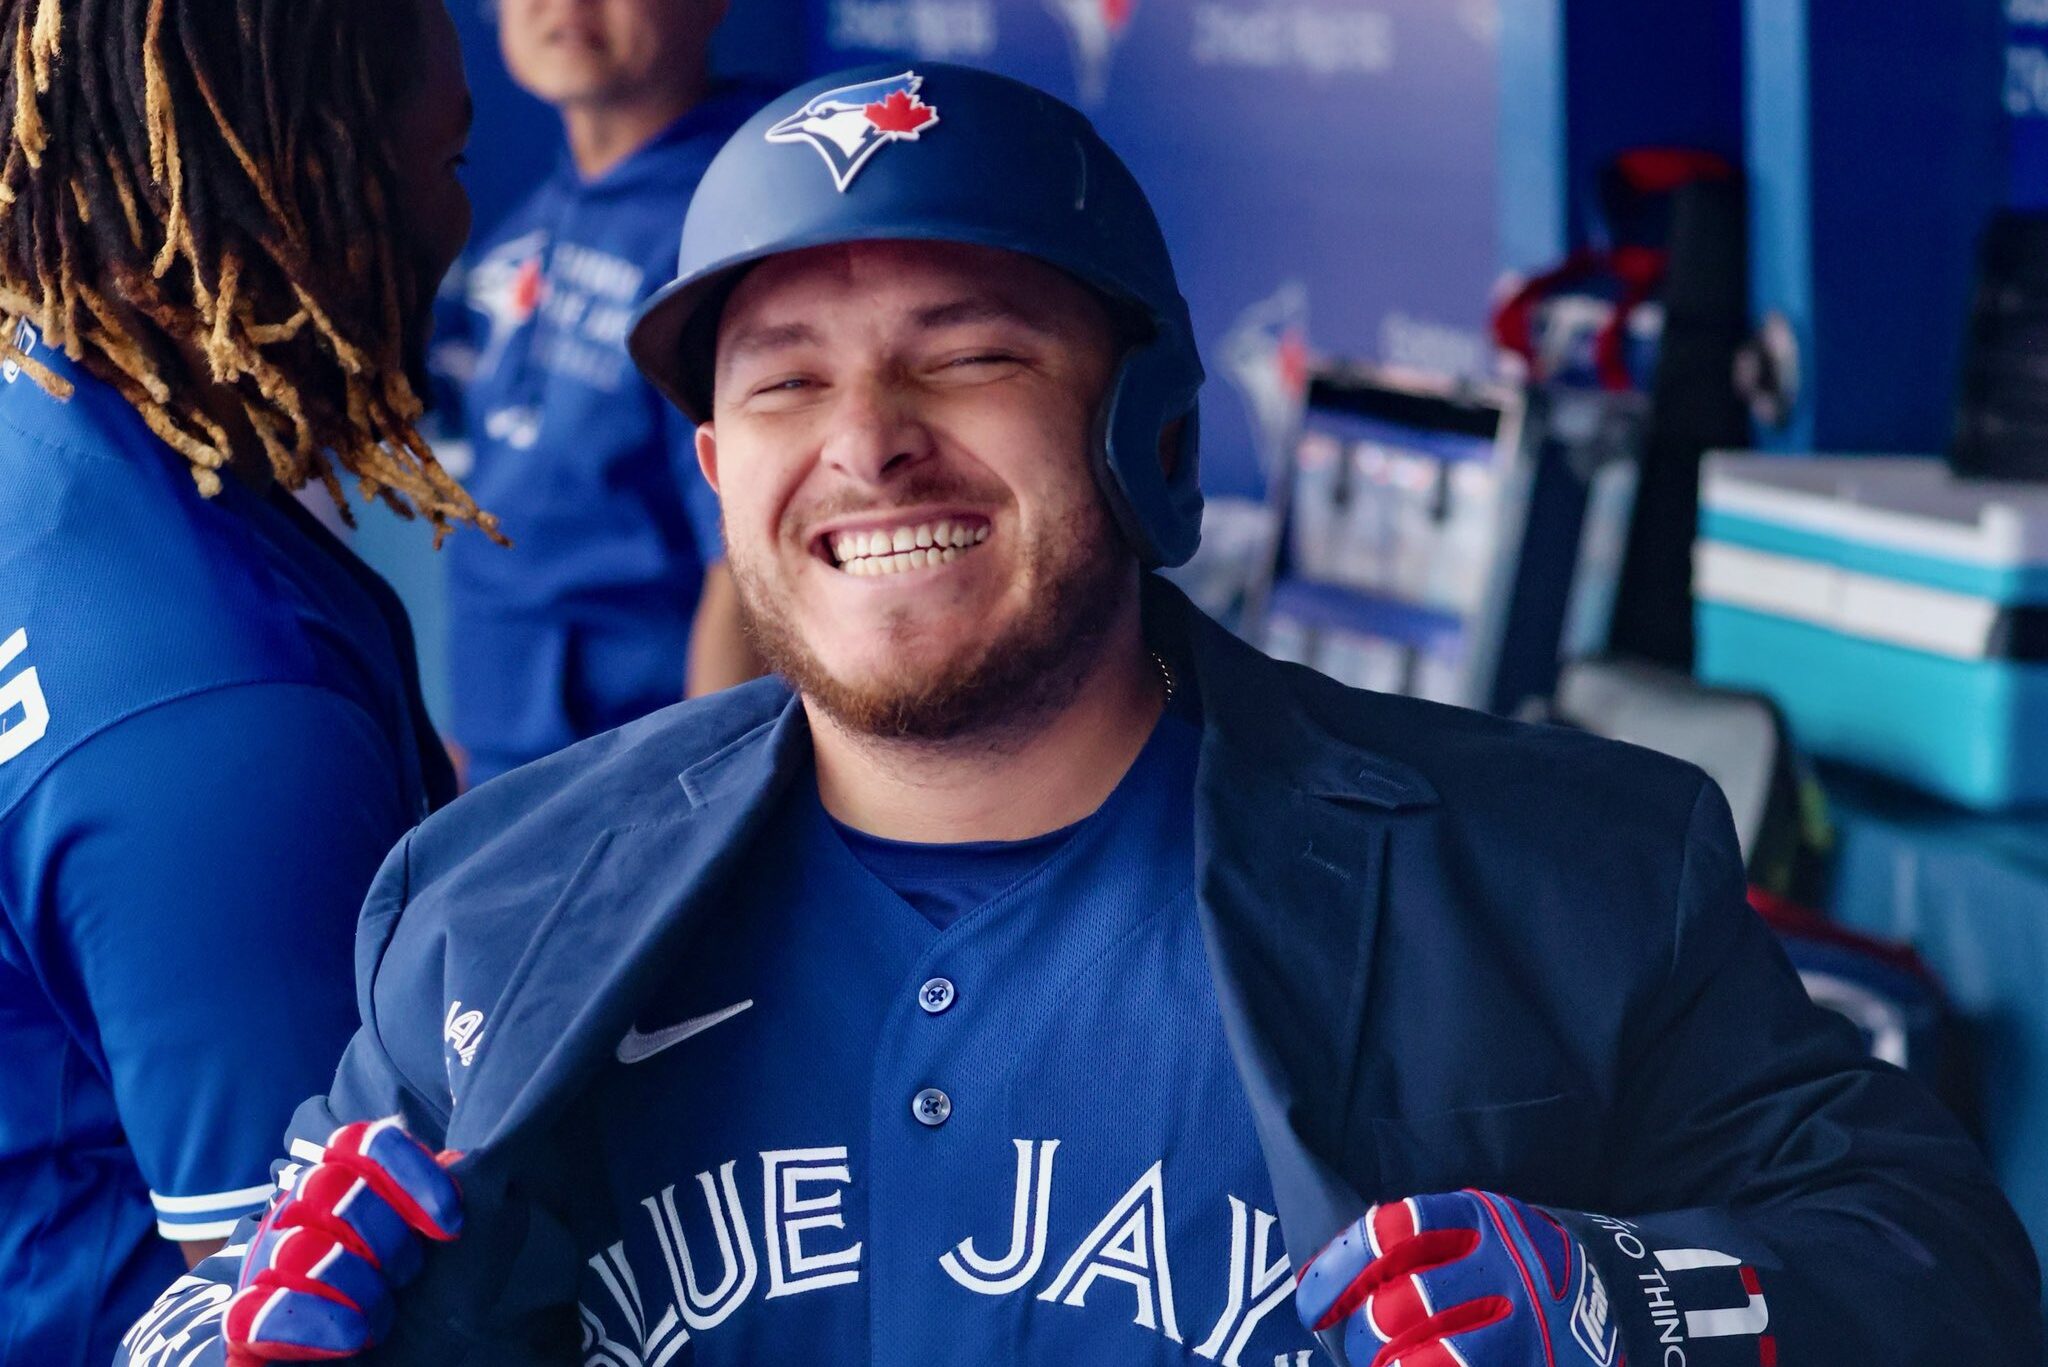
225	225
616	591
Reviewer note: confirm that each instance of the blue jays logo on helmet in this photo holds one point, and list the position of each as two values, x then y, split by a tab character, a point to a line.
849	125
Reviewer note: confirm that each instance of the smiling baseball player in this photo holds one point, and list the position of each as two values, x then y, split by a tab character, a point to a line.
1035	974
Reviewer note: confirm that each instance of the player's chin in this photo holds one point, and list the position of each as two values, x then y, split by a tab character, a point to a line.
900	650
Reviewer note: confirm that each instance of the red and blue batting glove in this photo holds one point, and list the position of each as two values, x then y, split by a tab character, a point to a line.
1464	1279
317	1281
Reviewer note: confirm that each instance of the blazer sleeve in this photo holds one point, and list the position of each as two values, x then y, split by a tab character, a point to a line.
1796	1201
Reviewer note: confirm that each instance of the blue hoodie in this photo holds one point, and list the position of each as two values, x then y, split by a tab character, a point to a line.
583	625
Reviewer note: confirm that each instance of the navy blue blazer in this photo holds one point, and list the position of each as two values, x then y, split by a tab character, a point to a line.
1450	951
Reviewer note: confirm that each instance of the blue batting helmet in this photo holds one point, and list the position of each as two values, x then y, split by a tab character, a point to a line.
991	162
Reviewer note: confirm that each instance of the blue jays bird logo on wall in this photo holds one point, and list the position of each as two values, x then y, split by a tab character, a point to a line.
1094	28
849	125
1265	354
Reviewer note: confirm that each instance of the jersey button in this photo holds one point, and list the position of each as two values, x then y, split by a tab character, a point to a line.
931	1107
936	996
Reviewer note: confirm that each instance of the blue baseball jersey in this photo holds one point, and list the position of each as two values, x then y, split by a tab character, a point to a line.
583	625
861	1127
210	733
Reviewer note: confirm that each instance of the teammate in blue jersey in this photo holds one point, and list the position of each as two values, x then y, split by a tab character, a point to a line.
1035	974
219	250
616	589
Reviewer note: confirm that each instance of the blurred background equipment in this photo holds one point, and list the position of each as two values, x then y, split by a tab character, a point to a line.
1898	614
1391	569
2002	417
1693	409
1447	541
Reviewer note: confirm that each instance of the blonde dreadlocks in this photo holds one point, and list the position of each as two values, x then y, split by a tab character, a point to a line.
211	178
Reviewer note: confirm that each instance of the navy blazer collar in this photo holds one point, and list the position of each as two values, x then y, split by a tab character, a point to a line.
1294	826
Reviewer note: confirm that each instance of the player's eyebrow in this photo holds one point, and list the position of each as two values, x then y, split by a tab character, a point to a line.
978	308
765	337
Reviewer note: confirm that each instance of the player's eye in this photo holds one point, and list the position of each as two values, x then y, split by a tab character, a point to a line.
980	362
787	384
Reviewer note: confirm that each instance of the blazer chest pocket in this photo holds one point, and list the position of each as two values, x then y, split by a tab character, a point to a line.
1546	1149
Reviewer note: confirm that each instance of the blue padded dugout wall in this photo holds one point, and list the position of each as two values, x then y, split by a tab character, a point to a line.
1876	152
2025	99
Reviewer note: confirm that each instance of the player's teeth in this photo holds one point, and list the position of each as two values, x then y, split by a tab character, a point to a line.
905	548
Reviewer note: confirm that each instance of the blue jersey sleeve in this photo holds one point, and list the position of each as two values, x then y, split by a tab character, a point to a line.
193	876
521	1328
700	501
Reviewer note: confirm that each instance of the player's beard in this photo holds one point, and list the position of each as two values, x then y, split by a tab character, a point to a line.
1078	571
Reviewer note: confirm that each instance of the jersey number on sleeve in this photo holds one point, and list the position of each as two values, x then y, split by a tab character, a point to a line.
23	693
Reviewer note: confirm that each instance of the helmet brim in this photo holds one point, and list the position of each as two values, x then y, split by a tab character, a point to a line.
662	330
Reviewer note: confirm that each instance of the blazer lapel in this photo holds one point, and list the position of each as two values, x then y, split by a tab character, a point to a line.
1293	841
631	905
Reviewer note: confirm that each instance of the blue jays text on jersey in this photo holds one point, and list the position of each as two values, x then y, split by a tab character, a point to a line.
584	623
1014	1137
210	730
1425	976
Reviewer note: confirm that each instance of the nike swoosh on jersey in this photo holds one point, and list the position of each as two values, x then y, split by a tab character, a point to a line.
638	1048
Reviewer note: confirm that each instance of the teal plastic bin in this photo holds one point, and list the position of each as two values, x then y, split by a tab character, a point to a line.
1898	615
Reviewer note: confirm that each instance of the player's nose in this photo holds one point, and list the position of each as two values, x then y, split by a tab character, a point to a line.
875	435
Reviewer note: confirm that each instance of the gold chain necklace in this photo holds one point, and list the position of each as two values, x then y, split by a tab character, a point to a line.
1165	673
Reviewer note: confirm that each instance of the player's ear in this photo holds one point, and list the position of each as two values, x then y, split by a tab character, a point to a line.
707	454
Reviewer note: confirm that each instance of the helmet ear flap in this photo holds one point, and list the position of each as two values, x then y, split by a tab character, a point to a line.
1156	495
